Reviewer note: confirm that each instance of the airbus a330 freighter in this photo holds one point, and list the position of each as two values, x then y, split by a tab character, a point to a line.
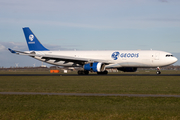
96	61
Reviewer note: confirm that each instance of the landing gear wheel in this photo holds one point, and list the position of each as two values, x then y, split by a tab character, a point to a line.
103	73
158	72
86	72
83	72
79	72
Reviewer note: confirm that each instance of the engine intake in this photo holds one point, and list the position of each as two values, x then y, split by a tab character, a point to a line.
95	67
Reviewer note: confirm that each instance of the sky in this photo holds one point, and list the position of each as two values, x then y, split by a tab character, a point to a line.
89	25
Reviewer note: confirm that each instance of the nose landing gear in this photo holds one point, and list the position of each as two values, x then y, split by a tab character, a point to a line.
158	72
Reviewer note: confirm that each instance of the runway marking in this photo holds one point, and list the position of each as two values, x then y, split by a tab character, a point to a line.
88	94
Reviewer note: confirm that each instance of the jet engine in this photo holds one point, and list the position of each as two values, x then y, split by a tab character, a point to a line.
95	67
127	69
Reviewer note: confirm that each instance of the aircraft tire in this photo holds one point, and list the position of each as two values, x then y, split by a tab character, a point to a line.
158	72
102	73
83	72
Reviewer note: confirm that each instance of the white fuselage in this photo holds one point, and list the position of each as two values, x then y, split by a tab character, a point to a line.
118	58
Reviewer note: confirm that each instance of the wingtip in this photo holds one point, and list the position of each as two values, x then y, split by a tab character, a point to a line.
12	51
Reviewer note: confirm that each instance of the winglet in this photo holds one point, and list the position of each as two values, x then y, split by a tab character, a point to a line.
12	51
32	41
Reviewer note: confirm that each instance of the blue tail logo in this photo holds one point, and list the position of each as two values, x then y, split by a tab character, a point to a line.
32	41
31	37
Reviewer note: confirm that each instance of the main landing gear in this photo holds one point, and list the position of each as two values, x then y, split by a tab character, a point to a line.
85	72
158	72
103	73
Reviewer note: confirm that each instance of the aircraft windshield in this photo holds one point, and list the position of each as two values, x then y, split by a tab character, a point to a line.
168	55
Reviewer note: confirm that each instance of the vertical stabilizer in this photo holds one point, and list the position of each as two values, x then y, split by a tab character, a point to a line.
32	41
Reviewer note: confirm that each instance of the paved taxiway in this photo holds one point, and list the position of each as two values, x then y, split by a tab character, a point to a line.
88	75
88	94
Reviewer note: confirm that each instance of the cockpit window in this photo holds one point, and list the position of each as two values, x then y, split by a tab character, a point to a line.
168	55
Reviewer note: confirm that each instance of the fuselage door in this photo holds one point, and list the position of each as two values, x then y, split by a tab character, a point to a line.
157	56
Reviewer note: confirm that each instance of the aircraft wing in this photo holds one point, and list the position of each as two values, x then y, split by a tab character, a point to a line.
58	58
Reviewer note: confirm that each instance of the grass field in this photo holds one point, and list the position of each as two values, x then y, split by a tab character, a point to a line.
92	84
87	108
21	107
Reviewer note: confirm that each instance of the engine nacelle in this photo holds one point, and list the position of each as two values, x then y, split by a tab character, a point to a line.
128	69
95	67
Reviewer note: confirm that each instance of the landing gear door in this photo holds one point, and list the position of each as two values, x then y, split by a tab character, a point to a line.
157	56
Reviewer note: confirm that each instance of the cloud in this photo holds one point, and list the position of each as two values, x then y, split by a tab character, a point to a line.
2	47
23	46
13	45
8	59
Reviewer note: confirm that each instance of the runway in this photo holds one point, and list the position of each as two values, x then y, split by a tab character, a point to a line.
88	75
88	94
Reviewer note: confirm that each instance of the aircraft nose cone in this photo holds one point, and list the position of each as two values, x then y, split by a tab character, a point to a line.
175	60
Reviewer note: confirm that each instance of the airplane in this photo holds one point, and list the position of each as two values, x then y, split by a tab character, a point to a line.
96	61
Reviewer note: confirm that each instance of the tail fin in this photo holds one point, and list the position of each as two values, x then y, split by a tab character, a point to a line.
32	41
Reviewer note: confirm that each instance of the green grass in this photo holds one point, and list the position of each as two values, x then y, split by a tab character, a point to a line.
92	84
20	107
